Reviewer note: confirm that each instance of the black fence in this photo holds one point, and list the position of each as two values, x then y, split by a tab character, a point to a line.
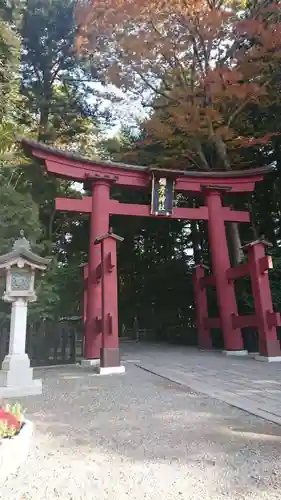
182	335
136	334
49	343
61	342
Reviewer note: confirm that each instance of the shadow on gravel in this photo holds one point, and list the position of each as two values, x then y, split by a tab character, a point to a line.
137	401
142	422
141	417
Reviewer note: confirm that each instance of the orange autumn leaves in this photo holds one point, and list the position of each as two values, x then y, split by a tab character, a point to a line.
203	62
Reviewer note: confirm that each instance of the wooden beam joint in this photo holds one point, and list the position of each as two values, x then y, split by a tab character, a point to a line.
233	273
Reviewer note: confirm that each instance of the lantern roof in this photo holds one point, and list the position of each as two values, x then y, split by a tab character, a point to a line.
21	252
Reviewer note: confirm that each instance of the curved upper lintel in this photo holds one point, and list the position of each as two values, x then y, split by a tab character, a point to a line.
76	167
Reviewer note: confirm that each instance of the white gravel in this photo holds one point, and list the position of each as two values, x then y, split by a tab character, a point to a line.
137	436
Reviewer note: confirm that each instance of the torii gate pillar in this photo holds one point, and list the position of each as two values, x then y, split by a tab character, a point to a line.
107	323
99	226
99	175
233	340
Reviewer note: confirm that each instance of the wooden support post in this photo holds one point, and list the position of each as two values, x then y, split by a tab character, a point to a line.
267	320
109	353
233	340
201	307
99	225
85	292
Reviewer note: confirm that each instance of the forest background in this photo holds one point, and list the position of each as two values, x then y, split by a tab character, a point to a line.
174	84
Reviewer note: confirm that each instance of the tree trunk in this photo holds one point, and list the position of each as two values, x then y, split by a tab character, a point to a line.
45	106
221	150
43	123
252	221
237	252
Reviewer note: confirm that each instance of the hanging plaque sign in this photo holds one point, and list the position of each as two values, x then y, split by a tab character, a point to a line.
162	196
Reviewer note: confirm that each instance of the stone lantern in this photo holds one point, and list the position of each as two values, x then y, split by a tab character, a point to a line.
19	267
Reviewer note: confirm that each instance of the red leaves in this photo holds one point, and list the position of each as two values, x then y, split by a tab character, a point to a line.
252	141
10	419
207	66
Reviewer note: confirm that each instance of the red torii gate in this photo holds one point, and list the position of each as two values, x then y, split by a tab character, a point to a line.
98	177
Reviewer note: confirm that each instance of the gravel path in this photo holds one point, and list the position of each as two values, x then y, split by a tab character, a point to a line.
137	436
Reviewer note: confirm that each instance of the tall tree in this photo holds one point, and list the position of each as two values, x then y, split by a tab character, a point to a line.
48	60
204	63
55	83
10	98
53	107
9	57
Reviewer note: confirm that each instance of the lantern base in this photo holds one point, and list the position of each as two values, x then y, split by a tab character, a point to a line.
16	377
21	391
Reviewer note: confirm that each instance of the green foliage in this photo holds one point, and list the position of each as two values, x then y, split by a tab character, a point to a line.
16	410
59	293
46	93
9	57
54	80
7	431
10	98
17	211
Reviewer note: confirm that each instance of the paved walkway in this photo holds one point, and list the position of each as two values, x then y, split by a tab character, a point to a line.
138	436
251	385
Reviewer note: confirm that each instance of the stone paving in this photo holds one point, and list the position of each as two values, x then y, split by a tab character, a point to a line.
248	384
139	436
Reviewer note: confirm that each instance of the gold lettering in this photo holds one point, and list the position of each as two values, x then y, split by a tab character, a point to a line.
162	194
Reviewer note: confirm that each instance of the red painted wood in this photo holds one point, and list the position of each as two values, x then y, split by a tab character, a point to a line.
111	261
237	272
110	324
220	264
207	281
85	292
244	321
98	273
99	226
266	318
265	263
230	215
78	170
144	211
201	307
98	325
84	205
236	185
273	319
109	312
100	207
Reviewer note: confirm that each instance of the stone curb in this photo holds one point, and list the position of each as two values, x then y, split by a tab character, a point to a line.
220	395
14	451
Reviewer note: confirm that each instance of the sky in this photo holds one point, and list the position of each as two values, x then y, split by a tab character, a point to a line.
126	113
